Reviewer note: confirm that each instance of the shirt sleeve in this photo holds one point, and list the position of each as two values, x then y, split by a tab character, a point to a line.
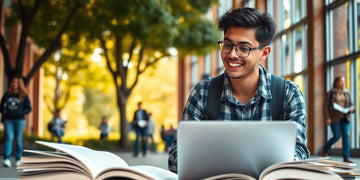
27	106
295	110
194	107
3	102
172	161
193	110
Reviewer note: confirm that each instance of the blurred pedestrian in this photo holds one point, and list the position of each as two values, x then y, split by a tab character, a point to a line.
168	136
337	109
139	124
15	104
104	128
150	132
58	125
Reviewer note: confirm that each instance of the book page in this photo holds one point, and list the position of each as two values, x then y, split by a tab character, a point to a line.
230	176
340	108
140	172
317	165
300	174
96	161
156	172
47	159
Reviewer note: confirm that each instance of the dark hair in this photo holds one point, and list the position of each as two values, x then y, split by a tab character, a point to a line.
337	78
250	18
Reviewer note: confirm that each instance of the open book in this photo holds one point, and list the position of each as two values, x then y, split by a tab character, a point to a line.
78	162
309	169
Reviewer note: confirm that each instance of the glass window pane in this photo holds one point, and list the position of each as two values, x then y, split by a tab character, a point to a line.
224	6
276	51
300	81
340	31
286	14
194	70
207	64
298	11
249	4
358	22
300	54
287	56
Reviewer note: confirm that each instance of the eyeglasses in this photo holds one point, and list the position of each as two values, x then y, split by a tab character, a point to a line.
241	50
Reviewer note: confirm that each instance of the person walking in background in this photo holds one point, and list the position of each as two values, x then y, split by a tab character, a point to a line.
168	136
104	128
139	124
15	104
337	109
58	125
150	132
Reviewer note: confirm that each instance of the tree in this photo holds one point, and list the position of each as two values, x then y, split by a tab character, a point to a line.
44	21
65	67
136	34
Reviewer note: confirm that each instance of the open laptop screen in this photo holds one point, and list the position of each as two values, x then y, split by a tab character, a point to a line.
209	148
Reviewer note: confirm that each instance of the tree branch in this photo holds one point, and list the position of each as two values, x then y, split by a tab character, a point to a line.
67	96
106	54
141	56
53	47
6	56
26	20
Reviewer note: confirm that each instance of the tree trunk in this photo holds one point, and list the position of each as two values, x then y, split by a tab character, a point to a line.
123	142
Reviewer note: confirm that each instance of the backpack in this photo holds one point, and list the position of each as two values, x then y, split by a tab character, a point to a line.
50	126
216	87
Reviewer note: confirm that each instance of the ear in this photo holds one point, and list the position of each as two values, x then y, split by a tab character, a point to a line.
265	53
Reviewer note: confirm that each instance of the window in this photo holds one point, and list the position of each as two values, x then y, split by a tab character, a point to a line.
194	70
288	57
342	54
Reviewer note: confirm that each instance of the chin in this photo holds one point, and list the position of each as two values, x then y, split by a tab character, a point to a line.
235	76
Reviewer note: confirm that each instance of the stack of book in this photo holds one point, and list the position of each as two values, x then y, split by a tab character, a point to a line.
309	169
78	162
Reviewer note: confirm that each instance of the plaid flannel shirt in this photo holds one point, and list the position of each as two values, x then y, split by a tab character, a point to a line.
258	108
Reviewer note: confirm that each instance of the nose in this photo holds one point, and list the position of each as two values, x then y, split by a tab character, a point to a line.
233	52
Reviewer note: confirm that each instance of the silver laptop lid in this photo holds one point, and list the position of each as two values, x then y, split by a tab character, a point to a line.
209	148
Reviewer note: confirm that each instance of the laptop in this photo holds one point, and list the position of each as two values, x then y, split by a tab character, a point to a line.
209	148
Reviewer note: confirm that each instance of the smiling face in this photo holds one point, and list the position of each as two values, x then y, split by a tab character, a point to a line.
238	67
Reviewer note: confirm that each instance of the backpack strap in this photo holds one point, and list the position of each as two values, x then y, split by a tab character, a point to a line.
213	105
278	95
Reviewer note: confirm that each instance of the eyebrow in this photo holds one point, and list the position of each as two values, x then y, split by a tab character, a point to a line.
240	42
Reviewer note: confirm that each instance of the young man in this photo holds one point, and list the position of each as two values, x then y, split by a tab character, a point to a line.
246	88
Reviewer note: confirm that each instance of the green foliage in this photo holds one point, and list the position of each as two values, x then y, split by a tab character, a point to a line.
47	21
203	5
97	104
196	36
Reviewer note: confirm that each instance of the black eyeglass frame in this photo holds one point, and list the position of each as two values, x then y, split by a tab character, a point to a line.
236	49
